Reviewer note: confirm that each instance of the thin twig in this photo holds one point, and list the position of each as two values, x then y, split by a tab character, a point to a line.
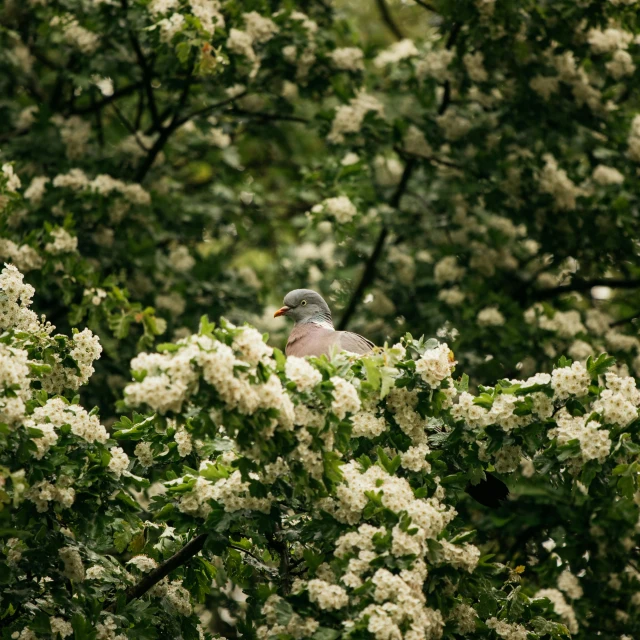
239	548
451	40
211	107
132	130
617	323
269	116
369	272
147	73
139	111
97	105
98	113
165	133
388	19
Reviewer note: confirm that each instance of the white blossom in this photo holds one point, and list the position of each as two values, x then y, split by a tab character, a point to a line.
348	58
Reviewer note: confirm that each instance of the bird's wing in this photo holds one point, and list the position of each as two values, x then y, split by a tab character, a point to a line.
310	339
354	342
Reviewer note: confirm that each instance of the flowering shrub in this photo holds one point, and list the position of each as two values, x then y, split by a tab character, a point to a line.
485	169
313	497
462	170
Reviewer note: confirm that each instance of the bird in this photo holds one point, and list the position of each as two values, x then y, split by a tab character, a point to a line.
313	334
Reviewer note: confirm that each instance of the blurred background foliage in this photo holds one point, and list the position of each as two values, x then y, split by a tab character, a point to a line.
490	119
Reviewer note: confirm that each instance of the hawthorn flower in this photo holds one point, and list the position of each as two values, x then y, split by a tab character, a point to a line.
607	175
348	58
340	207
327	596
435	365
13	181
63	242
119	461
557	183
395	53
143	563
345	398
73	567
490	317
570	381
304	375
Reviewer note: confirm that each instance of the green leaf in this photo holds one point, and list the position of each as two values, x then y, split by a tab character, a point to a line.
284	611
600	365
324	633
373	374
82	629
168	347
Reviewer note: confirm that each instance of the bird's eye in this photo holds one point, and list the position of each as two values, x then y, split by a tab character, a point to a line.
303	303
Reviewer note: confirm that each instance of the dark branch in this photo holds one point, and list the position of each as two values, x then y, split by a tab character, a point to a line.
177	560
369	273
451	40
453	34
98	113
585	285
239	548
426	5
622	321
147	73
269	116
165	133
97	105
211	107
128	126
388	19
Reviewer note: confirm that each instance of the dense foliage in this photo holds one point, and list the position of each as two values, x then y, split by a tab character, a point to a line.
467	170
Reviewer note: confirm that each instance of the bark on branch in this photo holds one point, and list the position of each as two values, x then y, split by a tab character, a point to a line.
388	19
185	554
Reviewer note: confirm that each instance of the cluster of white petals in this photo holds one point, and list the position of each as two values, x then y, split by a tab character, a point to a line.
435	365
349	117
303	374
555	181
340	207
348	59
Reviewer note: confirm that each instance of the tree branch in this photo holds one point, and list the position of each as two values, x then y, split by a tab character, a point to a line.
211	107
368	275
387	18
270	116
98	113
128	126
451	40
146	71
585	285
165	132
97	105
426	5
622	321
185	554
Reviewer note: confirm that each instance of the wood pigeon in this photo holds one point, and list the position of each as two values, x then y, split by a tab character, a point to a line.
313	334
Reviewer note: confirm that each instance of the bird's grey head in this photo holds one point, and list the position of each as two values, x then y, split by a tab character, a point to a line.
305	305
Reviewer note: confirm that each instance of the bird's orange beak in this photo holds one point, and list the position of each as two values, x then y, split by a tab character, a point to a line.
281	311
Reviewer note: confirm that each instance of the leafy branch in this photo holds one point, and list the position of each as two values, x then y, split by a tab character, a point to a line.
181	557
